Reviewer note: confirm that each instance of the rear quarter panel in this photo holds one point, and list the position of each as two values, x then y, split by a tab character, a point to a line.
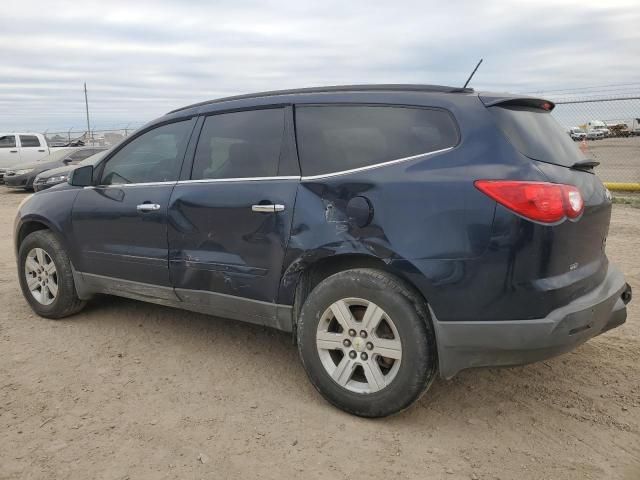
429	224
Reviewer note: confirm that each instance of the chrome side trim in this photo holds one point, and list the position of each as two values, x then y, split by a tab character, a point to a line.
240	179
129	185
283	177
377	165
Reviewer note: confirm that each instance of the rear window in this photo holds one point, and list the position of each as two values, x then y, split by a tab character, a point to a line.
536	134
336	138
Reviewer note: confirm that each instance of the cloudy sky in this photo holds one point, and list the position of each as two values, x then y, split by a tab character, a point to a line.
142	58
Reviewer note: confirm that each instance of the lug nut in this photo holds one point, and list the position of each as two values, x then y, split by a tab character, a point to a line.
346	342
364	356
369	346
352	332
353	354
363	334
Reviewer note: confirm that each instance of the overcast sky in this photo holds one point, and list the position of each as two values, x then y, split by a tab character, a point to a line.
141	58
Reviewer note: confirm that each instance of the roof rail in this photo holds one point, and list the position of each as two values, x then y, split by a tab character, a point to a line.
337	88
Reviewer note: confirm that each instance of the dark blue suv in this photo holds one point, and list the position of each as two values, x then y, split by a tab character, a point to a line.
396	230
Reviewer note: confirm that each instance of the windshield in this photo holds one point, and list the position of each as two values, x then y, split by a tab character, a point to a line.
537	135
93	159
58	154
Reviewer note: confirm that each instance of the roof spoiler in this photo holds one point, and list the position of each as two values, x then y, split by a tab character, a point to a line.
509	100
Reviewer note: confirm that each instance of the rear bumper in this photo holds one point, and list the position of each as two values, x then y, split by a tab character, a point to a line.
464	345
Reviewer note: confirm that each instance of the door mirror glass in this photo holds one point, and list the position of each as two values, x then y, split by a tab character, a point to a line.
81	176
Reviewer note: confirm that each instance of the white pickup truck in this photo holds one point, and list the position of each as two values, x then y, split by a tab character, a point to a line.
21	148
17	148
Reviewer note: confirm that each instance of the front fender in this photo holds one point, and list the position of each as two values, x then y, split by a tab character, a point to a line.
51	208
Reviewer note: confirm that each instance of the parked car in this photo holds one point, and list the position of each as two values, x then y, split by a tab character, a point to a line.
23	176
19	149
599	125
55	176
577	134
595	134
396	231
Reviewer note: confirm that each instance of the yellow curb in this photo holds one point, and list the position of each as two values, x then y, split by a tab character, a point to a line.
622	187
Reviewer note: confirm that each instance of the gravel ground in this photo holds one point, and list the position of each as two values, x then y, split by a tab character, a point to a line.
619	158
127	390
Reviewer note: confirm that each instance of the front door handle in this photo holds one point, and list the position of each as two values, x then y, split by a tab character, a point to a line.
148	207
13	151
269	208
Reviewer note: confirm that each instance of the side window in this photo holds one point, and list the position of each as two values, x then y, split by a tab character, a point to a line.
29	141
154	156
8	141
239	145
341	137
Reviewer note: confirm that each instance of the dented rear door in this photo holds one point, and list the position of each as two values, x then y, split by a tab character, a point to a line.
229	223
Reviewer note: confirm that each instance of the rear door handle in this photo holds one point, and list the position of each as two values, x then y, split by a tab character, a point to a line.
270	208
148	207
41	151
13	151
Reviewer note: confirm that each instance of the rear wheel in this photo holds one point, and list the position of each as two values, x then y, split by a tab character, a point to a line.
46	277
366	342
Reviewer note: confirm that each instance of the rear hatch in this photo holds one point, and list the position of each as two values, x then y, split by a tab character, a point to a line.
575	261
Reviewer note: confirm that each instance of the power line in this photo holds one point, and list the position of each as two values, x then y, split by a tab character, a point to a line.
583	88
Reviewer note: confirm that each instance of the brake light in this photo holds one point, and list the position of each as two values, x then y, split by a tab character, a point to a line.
540	201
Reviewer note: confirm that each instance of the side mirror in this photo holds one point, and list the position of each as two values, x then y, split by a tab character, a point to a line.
67	161
81	176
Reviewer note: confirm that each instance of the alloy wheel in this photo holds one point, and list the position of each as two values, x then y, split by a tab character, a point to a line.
41	275
359	345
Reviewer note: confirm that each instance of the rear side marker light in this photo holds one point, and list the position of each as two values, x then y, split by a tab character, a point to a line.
539	201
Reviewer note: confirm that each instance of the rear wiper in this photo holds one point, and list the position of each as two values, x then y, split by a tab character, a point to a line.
586	165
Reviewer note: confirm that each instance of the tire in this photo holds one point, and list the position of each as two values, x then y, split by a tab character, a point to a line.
401	347
44	250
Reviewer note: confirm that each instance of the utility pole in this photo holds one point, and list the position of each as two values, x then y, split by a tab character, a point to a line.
86	104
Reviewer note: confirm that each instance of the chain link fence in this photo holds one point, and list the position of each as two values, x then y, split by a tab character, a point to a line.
98	137
608	130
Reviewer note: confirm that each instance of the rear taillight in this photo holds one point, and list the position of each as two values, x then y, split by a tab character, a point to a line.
540	201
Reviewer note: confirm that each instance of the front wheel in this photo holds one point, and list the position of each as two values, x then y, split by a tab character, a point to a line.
46	277
366	342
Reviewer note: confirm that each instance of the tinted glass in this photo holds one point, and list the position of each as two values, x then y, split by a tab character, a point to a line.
240	145
154	156
29	141
536	134
7	141
337	138
82	154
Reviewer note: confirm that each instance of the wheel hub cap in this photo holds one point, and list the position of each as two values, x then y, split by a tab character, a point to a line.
359	345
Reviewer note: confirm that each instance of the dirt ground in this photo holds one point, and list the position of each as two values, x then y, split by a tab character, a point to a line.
619	158
126	390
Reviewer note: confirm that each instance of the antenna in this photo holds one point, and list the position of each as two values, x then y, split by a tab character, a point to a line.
472	74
